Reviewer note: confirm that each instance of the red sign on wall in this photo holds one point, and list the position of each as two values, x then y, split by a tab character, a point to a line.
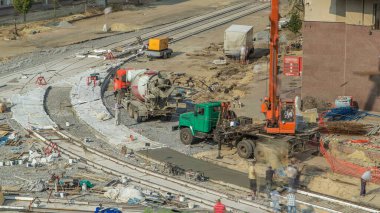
292	65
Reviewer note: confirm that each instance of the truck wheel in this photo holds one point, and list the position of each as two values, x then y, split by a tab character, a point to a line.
244	149
166	117
186	136
164	55
136	116
253	147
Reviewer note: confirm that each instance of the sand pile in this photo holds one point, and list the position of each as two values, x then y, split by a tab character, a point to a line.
33	29
272	153
344	187
119	27
8	35
360	156
331	187
73	17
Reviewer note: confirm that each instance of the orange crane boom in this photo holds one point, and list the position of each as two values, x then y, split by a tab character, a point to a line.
280	116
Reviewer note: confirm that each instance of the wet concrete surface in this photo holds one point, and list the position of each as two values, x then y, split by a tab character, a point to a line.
212	171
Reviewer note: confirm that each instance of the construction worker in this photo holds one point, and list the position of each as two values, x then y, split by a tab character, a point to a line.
363	182
219	207
291	173
252	179
291	201
275	197
269	173
266	105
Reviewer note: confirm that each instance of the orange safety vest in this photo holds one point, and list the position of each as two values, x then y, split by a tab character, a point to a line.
219	208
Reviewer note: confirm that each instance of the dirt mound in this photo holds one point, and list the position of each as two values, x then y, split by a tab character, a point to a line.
227	72
214	47
33	29
64	24
119	27
74	17
227	84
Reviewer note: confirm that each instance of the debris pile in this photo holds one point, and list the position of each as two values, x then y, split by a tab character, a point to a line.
227	84
209	51
6	135
342	127
124	190
309	102
122	194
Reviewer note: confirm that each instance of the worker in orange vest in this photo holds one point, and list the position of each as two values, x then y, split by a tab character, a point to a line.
219	207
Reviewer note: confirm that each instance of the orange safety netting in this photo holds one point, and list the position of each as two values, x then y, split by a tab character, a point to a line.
348	168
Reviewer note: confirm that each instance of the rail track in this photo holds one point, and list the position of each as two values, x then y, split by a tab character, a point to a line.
192	26
178	30
201	195
114	166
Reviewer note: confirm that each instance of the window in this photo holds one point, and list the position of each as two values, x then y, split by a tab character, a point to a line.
201	111
287	113
216	109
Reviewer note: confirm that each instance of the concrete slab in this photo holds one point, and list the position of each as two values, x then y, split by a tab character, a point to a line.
28	109
214	172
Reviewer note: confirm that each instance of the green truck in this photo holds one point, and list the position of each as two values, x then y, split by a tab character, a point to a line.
214	120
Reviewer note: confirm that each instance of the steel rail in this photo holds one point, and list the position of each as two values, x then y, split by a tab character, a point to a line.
191	191
66	205
191	21
216	23
158	32
186	184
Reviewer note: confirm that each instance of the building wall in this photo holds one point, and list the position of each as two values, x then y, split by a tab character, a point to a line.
333	54
325	10
5	3
357	12
360	12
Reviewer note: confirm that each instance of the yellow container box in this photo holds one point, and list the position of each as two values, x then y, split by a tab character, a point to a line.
158	44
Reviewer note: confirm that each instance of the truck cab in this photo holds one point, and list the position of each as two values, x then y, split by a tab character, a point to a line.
215	120
200	123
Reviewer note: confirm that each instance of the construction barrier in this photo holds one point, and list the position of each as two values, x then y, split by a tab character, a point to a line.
347	168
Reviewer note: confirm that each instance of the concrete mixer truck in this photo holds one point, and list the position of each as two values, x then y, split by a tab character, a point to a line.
145	93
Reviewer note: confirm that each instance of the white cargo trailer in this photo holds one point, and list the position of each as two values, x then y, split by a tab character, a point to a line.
238	39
